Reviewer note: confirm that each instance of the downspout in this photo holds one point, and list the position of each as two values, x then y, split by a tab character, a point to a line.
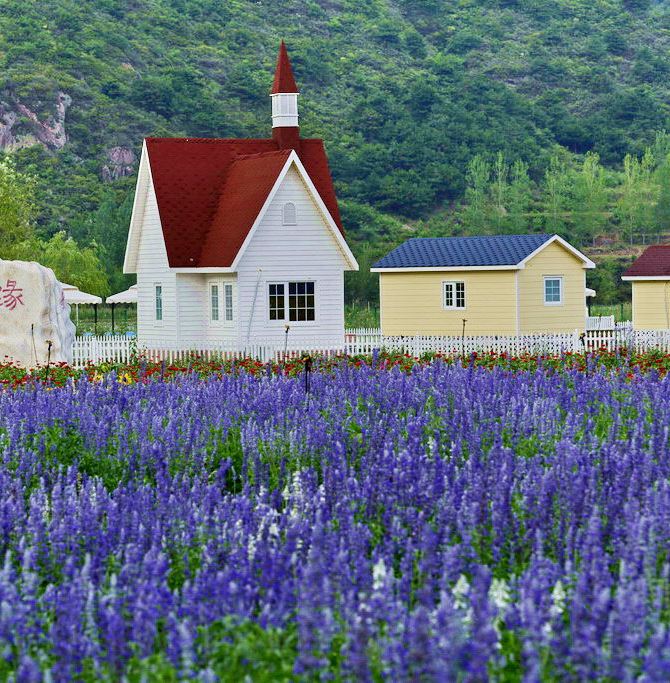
253	303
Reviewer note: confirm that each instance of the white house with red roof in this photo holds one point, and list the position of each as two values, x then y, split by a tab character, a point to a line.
232	240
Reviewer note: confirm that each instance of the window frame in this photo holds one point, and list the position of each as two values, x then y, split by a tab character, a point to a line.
159	291
211	299
228	287
547	278
222	288
284	219
286	288
454	295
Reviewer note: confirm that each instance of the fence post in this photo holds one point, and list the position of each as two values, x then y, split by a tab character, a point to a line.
575	341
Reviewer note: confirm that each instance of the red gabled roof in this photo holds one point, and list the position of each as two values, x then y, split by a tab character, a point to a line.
248	183
207	191
653	262
284	81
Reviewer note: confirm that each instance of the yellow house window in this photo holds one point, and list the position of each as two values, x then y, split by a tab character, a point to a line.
454	295
553	290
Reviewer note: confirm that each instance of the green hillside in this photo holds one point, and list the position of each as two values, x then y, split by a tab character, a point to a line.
439	117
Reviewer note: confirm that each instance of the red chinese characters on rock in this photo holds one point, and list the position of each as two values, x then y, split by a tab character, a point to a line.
11	295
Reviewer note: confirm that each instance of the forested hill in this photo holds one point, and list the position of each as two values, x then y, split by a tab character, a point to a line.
465	115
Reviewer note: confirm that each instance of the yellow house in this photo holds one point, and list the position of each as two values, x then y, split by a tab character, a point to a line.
649	276
502	285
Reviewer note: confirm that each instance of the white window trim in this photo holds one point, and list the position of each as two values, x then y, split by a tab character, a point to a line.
221	322
224	310
560	290
210	317
286	321
158	321
444	295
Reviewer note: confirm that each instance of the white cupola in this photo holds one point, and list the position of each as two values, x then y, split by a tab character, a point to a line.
284	93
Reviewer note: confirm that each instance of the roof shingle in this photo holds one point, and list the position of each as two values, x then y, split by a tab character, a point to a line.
452	252
653	262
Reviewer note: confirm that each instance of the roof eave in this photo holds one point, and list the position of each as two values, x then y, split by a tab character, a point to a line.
650	278
586	261
143	183
443	269
202	269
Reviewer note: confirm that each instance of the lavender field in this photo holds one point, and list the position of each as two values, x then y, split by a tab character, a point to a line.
441	524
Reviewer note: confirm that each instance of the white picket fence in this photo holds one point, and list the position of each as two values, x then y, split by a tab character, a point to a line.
106	349
600	322
119	349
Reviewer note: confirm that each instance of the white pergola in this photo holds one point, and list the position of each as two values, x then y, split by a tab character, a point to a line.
128	296
74	296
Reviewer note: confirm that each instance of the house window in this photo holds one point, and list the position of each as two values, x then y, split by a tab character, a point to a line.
214	302
228	302
299	306
159	302
301	300
553	290
289	214
277	302
454	295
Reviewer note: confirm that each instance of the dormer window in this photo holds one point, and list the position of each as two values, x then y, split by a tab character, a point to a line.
289	214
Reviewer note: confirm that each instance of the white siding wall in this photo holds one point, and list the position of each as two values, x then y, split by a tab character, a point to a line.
152	268
191	308
302	252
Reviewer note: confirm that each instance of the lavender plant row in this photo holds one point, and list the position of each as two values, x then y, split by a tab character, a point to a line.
447	524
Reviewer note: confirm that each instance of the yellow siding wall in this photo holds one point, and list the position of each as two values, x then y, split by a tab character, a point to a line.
651	305
411	303
535	315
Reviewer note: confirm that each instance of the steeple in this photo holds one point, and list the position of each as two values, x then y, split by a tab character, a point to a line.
284	96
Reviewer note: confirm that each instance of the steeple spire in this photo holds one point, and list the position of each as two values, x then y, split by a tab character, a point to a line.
284	81
284	96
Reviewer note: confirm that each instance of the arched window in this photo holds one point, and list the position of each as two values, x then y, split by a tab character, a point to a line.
289	216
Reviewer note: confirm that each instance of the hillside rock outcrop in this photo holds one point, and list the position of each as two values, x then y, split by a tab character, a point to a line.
21	127
120	163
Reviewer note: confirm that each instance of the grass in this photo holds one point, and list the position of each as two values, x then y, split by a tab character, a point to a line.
361	314
125	319
622	311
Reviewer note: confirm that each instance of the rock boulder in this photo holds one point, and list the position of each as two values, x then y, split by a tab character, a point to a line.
35	325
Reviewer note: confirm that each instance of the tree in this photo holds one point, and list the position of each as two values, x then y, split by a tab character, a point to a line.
520	196
590	198
556	185
476	214
662	205
500	190
71	264
16	207
638	192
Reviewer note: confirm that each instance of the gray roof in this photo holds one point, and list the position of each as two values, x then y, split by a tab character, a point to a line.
450	252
